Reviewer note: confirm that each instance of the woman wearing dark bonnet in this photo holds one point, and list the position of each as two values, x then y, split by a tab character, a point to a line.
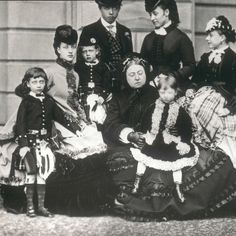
160	50
213	90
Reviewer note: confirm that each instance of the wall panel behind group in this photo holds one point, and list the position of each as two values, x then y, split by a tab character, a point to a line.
204	11
133	15
26	37
27	28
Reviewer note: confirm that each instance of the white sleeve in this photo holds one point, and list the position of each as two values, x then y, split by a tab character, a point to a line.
124	134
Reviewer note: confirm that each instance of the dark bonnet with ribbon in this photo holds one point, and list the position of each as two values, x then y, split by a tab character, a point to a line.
150	5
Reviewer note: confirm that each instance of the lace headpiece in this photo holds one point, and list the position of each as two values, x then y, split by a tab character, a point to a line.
134	60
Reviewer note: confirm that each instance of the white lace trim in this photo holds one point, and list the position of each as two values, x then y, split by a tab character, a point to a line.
156	120
165	165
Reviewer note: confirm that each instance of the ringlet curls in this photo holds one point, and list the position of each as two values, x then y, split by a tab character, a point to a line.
22	90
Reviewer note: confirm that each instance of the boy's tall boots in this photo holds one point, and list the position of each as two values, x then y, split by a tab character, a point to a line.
42	211
31	170
29	197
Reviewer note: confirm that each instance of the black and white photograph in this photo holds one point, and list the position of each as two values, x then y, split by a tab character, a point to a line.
118	118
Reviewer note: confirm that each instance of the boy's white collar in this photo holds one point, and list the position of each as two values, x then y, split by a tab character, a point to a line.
35	96
95	62
106	24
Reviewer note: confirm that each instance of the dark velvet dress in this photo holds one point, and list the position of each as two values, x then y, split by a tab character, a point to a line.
162	149
167	52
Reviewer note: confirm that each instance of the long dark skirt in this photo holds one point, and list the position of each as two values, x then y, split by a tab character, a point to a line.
208	186
77	187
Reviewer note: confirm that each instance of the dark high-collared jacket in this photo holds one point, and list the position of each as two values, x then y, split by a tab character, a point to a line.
221	76
207	73
170	53
37	115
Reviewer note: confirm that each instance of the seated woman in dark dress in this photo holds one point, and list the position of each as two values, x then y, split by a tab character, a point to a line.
125	111
207	186
213	107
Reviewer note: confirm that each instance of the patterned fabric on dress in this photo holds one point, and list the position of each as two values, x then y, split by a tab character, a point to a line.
73	98
210	127
159	50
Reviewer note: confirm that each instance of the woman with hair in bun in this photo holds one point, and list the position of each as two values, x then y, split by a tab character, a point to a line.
167	48
63	87
81	176
213	108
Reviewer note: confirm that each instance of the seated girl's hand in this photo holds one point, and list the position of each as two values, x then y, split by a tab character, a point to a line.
223	112
23	151
137	138
183	148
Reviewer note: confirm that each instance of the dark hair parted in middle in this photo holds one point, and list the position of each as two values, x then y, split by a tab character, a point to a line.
171	5
64	34
135	59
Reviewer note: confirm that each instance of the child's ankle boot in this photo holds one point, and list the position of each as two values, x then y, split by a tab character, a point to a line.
180	193
42	211
30	204
136	184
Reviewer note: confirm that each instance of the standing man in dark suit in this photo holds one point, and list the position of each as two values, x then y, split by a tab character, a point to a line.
114	39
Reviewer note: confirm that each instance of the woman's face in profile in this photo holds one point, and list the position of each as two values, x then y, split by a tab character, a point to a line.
159	17
136	76
215	39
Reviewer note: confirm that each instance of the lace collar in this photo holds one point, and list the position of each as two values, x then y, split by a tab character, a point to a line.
157	115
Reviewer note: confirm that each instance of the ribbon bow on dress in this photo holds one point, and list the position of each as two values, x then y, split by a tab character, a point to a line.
216	55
